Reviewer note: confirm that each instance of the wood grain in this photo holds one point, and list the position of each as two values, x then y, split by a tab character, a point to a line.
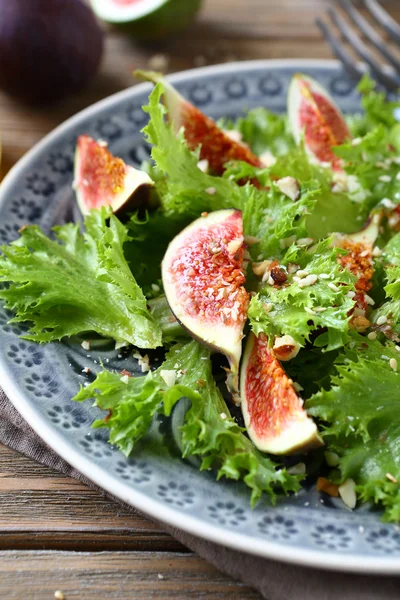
43	509
114	575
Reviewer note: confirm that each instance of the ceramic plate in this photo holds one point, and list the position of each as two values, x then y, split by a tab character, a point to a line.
40	380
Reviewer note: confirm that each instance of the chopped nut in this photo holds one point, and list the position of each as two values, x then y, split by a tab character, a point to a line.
211	191
333	287
287	242
267	159
381	320
393	364
307	281
250	240
234	245
299	469
347	493
376	251
290	187
124	379
119	345
285	347
168	376
233	134
204	214
86	345
391	478
304	242
360	323
203	165
324	485
372	335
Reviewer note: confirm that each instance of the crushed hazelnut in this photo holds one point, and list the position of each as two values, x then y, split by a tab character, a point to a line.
285	348
290	187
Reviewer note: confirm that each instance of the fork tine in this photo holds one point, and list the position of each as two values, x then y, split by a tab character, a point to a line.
384	19
359	46
369	32
339	51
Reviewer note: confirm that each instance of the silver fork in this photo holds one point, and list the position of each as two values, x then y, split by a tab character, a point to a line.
348	33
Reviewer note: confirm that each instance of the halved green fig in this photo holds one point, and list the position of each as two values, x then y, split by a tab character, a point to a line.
101	179
217	147
148	20
273	412
359	261
202	275
314	114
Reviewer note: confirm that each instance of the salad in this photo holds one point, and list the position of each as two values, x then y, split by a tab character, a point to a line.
261	259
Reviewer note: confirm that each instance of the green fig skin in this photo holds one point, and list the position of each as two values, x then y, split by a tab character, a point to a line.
171	18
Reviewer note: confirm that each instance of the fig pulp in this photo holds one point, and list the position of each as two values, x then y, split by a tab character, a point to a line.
313	112
199	130
104	180
203	281
359	261
273	412
48	48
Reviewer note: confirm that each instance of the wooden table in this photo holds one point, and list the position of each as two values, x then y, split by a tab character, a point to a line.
56	534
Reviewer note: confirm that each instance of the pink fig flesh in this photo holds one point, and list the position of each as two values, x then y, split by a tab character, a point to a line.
273	412
313	112
202	274
101	179
199	130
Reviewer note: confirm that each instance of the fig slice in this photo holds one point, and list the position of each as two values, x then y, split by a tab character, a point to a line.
359	261
217	147
273	412
101	179
314	113
203	281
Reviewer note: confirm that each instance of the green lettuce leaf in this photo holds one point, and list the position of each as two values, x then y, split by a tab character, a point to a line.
374	163
272	218
360	419
189	191
208	430
264	131
389	264
299	311
377	109
76	283
334	210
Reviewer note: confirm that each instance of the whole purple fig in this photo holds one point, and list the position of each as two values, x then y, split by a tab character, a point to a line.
48	48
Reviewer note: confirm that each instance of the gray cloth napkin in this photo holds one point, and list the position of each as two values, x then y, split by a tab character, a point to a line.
275	581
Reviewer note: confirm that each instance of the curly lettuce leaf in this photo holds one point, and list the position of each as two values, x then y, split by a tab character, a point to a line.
373	160
272	218
75	283
334	210
360	419
148	241
389	268
208	430
300	311
264	131
377	109
189	191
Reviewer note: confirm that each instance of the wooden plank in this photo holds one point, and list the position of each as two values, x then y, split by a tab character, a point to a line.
43	509
115	575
